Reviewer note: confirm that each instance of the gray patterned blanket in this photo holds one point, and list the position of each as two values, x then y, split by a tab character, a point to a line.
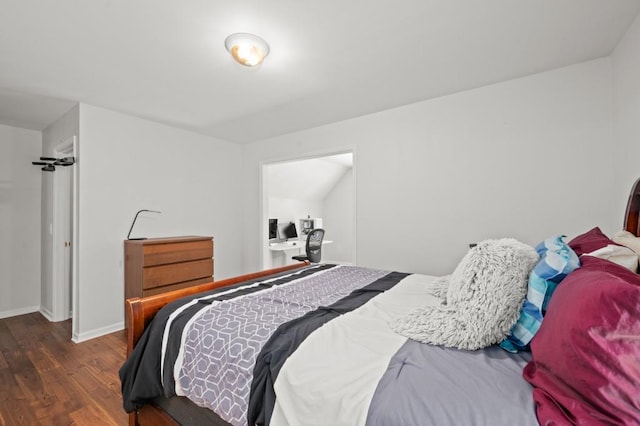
223	340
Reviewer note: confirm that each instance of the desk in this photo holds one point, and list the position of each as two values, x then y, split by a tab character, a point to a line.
292	245
281	252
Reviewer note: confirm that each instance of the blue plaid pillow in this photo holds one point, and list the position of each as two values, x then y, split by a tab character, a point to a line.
557	260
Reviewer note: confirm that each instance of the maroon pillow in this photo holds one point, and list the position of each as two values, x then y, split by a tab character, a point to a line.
585	365
590	241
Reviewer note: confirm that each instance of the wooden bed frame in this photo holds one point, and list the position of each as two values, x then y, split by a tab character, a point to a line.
140	311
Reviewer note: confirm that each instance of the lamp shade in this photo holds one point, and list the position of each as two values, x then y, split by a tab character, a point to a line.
248	49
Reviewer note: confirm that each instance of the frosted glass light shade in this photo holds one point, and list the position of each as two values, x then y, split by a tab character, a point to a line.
248	49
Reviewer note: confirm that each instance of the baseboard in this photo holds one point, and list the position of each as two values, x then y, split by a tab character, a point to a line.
92	334
20	311
46	313
49	315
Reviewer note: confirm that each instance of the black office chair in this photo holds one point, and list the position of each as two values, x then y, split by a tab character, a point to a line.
313	246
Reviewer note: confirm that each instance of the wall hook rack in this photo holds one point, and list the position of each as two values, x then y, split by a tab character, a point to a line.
50	163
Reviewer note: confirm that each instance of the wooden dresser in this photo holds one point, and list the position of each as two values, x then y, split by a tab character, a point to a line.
159	265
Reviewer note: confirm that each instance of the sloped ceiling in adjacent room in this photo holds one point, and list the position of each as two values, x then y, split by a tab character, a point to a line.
310	179
330	60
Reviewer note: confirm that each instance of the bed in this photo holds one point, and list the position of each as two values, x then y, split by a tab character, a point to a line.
317	345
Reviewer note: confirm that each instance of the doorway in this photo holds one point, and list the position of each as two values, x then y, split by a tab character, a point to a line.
319	187
64	236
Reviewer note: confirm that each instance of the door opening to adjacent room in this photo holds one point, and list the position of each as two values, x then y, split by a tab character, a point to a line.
316	189
64	237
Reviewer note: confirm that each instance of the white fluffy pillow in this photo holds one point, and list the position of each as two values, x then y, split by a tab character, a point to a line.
627	256
483	298
627	239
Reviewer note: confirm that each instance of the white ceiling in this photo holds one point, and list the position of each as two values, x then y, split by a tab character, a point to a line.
330	60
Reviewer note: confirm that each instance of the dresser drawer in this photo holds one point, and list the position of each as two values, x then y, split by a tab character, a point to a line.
178	286
161	275
174	252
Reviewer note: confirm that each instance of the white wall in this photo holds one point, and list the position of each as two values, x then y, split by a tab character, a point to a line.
626	69
19	221
127	164
527	158
338	221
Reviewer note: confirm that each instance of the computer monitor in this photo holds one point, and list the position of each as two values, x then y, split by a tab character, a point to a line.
273	229
289	231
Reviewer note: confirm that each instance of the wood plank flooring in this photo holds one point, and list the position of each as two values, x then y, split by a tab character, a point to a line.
46	379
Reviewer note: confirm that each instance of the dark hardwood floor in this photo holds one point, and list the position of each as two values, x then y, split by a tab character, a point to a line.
47	379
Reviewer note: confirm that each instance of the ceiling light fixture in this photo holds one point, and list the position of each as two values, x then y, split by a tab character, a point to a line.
247	49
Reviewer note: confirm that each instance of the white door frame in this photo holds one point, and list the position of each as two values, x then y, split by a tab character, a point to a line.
65	221
264	201
60	277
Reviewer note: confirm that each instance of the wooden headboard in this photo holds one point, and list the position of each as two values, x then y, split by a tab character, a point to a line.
632	214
